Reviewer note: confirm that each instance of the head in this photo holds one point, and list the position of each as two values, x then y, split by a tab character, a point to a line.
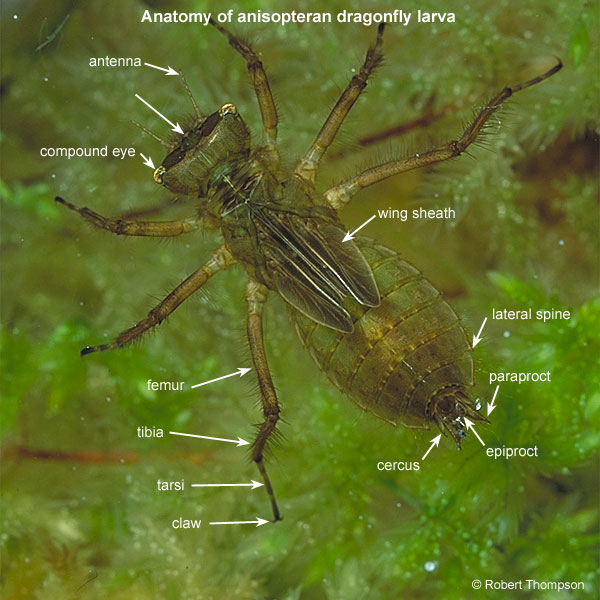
448	409
210	141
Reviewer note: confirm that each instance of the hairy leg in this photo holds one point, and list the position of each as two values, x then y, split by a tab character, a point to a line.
220	259
341	194
261	86
128	227
256	295
307	168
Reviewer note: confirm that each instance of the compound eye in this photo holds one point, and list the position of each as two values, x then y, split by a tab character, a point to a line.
158	174
228	109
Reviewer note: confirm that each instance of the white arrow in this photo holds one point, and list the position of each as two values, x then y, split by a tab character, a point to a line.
469	425
476	338
168	71
241	372
258	522
253	485
176	128
147	161
490	405
350	236
239	441
434	442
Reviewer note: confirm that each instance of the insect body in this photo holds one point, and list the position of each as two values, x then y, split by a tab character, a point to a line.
408	361
371	321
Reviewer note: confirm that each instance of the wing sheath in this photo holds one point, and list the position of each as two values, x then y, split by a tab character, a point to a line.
313	269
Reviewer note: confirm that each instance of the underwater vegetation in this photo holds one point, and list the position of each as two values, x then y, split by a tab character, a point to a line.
81	516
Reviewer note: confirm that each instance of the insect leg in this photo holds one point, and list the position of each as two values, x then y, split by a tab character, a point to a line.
220	259
261	87
256	294
341	194
141	228
307	168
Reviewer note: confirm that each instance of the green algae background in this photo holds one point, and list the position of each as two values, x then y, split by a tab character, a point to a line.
81	516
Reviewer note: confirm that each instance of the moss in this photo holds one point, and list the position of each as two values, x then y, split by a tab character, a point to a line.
526	234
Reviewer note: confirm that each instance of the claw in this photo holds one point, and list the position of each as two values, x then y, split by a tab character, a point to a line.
90	349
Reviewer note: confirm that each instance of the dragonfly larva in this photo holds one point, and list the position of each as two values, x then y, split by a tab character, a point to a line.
381	332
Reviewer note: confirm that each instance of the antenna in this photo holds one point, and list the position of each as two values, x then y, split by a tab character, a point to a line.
190	95
151	133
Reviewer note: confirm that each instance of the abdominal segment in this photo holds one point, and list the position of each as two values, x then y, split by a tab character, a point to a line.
402	353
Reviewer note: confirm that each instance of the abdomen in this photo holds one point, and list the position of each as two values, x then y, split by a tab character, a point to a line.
402	353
